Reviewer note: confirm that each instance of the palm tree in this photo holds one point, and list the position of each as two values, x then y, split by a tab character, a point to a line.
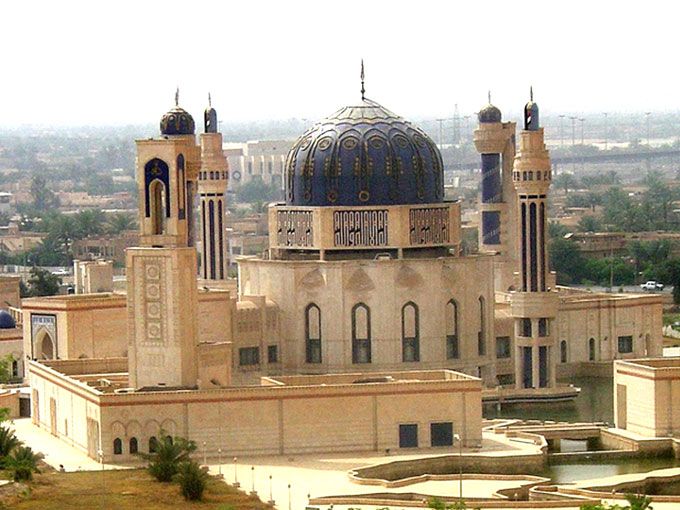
192	480
120	222
170	453
22	463
639	502
8	442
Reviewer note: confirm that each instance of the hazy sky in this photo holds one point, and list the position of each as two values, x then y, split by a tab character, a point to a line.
118	62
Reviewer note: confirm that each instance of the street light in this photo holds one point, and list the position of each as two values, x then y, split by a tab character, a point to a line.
606	130
456	437
561	131
236	484
290	507
271	494
252	479
219	462
205	455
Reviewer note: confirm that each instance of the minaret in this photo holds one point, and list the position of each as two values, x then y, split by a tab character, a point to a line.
162	296
212	187
495	141
534	304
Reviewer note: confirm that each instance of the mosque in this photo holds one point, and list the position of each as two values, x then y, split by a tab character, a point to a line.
363	327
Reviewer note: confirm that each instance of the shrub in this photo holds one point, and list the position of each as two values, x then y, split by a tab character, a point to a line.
192	480
170	453
22	463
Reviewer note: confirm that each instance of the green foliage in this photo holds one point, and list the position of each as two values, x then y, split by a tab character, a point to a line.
589	223
22	463
567	261
8	442
192	480
556	229
170	453
635	502
44	198
5	374
439	504
120	222
258	191
43	283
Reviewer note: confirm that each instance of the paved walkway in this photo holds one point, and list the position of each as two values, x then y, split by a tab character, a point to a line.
55	450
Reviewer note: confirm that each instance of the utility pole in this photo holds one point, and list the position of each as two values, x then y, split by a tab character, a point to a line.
606	131
456	125
561	131
441	145
583	156
573	143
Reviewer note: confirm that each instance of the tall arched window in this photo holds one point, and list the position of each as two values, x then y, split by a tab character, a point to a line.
481	335
452	345
563	351
410	332
312	334
153	444
591	349
361	334
181	188
134	446
117	446
157	197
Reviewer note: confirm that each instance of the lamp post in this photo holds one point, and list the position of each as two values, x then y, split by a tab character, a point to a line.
649	163
236	484
252	480
205	454
271	492
219	463
460	466
290	506
100	452
561	131
606	130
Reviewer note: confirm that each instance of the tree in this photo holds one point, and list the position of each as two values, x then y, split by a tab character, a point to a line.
120	222
565	181
589	223
192	480
89	222
43	198
439	504
8	442
43	283
170	453
566	260
22	463
258	190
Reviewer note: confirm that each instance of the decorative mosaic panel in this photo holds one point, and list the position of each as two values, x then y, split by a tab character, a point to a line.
429	225
491	227
360	228
153	299
295	228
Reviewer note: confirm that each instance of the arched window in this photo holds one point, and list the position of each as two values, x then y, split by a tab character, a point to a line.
591	349
134	446
312	334
168	439
410	332
481	335
157	197
563	351
452	346
153	444
117	446
361	334
15	368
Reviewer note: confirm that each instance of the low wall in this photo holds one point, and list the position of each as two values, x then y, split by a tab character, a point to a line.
446	465
584	369
10	400
652	446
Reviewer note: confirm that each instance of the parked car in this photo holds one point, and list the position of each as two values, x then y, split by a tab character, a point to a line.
652	285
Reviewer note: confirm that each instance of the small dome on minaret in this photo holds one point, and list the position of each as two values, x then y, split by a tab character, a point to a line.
177	121
489	113
210	118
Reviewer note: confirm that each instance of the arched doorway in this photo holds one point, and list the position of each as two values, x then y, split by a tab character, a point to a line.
45	346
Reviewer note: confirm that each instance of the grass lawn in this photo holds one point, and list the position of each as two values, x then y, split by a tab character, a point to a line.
670	318
120	490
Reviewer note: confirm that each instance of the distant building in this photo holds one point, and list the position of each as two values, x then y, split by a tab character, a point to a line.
108	246
265	159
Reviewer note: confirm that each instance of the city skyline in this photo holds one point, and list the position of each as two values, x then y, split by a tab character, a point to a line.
105	65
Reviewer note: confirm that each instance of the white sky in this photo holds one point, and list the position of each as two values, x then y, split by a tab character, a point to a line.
118	62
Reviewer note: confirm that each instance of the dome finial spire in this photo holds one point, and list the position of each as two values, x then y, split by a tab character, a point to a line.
363	90
177	96
531	93
489	96
209	101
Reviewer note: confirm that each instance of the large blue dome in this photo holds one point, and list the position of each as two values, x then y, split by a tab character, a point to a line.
6	320
364	155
